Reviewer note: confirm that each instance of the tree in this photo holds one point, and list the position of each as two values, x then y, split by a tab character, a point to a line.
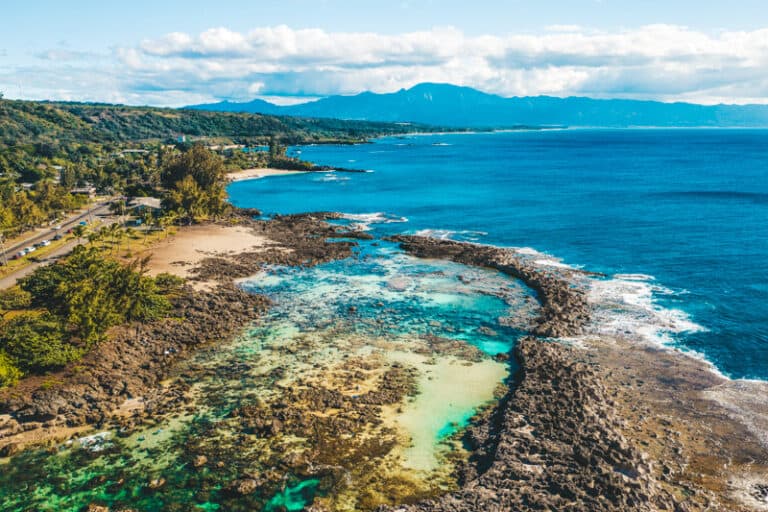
36	343
79	231
95	236
88	294
195	183
9	372
117	207
204	166
14	298
187	198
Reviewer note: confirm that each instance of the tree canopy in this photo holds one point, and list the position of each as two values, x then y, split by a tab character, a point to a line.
195	181
75	302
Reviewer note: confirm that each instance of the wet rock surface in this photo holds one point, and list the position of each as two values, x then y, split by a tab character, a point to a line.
564	308
572	433
619	426
553	444
134	359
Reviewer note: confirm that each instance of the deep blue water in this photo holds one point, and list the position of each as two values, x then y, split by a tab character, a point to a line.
689	207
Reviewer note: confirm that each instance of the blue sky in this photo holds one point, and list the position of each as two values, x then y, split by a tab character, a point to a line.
175	53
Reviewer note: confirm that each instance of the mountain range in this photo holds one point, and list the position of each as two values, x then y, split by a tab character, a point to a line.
455	106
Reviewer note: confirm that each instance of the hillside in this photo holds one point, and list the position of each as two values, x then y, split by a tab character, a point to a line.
449	105
26	122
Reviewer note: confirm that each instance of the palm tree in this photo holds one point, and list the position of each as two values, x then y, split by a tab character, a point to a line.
94	236
118	234
79	231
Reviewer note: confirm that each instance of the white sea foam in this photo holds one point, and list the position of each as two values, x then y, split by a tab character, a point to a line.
634	277
332	177
542	259
363	221
550	262
528	251
463	235
628	308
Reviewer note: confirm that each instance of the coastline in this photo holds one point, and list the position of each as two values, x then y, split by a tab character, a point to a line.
130	368
260	172
605	423
678	442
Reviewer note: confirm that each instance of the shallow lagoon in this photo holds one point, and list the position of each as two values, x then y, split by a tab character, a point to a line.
418	333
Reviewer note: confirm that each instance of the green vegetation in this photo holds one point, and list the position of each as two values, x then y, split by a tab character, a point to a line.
9	373
53	156
22	209
75	302
195	184
47	149
60	124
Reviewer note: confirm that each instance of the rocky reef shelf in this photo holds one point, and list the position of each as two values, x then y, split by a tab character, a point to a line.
320	403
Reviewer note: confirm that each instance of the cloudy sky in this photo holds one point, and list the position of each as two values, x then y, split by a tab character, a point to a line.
175	53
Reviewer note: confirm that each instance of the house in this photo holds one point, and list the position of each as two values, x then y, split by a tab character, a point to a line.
140	205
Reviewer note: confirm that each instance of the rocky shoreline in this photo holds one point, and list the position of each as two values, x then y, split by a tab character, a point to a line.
613	427
132	362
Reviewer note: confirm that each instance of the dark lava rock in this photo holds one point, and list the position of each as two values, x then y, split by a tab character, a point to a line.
552	445
565	311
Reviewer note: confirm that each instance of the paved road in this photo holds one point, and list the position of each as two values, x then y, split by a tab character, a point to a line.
10	279
98	209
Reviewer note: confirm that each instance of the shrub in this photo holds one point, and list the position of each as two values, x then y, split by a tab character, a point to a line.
9	372
36	343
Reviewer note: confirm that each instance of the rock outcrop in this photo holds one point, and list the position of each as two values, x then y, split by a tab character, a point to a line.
564	307
553	444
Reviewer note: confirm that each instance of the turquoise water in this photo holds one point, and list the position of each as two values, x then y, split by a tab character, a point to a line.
293	498
677	217
309	335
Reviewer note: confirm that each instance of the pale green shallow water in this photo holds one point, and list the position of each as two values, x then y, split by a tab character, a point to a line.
397	299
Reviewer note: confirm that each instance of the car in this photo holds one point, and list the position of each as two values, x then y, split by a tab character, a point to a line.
44	243
83	222
56	228
19	255
29	249
58	236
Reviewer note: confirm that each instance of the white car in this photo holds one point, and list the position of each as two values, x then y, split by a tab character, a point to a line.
44	243
29	249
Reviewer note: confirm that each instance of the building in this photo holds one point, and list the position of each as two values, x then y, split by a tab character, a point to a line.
140	205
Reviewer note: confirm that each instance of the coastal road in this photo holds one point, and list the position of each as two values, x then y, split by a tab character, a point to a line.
98	209
10	279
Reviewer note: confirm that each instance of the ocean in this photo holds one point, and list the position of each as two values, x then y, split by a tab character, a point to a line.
676	219
672	220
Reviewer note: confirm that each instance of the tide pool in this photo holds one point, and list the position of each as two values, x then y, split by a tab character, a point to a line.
676	217
347	393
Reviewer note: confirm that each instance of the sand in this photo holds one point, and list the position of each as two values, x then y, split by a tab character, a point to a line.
256	173
180	253
449	390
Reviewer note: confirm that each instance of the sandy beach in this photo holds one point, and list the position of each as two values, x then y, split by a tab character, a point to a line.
256	173
184	251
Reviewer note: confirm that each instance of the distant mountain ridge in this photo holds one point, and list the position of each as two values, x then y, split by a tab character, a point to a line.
455	106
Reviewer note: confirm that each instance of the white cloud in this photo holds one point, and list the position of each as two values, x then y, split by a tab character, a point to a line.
665	62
